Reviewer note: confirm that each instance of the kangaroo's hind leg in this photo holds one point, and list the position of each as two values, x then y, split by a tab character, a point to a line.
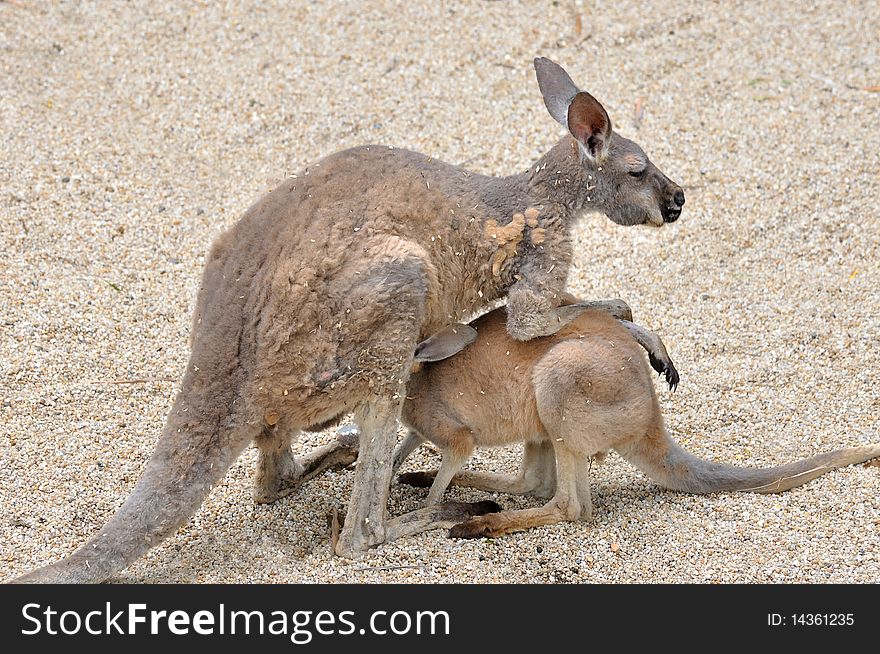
454	457
391	308
387	327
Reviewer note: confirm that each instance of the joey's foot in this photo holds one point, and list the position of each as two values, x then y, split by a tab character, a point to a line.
484	507
665	368
421	479
478	527
451	511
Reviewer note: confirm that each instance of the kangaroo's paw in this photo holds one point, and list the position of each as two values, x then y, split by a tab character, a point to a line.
666	368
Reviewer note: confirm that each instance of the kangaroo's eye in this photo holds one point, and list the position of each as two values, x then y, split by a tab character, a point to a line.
638	174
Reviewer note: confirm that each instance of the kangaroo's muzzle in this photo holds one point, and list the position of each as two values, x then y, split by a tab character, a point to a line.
672	211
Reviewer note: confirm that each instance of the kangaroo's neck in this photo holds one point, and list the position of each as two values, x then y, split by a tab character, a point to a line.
504	196
559	178
557	182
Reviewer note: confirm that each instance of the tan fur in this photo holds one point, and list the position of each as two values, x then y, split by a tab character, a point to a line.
505	239
575	394
312	304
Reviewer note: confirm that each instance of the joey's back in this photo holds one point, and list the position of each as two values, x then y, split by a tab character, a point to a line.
490	386
486	387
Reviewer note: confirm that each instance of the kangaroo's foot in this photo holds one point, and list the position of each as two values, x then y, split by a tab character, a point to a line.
438	516
279	473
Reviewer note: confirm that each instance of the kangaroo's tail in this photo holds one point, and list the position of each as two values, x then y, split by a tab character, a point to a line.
662	459
190	457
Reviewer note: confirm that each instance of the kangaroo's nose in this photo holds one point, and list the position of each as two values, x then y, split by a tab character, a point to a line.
678	198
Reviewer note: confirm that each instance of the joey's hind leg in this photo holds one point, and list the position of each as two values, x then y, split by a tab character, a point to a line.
539	467
410	443
536	476
454	457
457	443
564	505
279	472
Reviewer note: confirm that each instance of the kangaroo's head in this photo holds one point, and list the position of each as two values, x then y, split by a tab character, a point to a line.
615	174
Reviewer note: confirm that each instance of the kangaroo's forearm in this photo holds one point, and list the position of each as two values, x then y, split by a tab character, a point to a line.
532	300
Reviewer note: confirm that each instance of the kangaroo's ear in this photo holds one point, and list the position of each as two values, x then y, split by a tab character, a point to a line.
448	341
556	87
589	123
583	115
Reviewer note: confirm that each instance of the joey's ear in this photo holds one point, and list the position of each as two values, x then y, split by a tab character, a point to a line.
556	87
589	123
448	341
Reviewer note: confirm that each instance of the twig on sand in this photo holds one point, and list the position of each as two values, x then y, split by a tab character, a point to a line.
334	530
639	112
580	34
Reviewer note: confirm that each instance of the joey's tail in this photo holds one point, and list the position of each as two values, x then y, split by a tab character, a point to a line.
662	459
190	457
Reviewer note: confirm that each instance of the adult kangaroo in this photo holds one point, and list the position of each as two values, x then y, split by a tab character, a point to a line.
569	397
312	304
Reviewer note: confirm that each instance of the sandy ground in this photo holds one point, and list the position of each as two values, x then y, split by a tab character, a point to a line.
131	136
